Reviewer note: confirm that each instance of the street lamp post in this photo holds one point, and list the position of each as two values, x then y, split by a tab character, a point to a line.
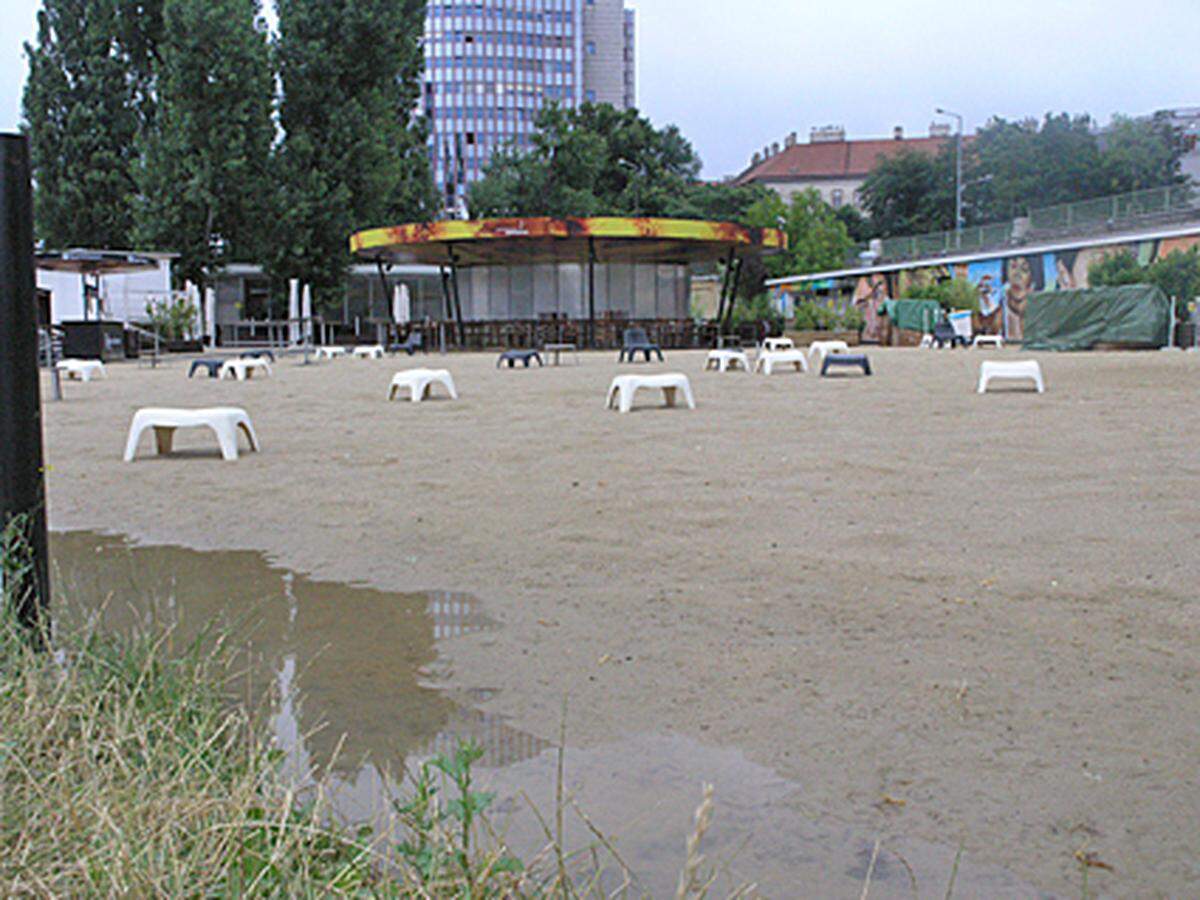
958	182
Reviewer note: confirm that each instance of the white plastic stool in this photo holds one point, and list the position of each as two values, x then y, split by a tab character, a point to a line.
625	387
244	369
82	369
371	351
769	359
821	349
1012	371
224	421
330	352
778	343
420	382
724	360
993	340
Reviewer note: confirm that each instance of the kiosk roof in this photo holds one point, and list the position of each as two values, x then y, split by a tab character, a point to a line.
492	242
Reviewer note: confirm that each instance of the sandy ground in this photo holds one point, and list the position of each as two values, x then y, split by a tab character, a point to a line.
887	589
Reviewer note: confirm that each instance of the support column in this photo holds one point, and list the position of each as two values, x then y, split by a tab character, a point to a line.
725	286
22	486
591	267
306	312
210	314
737	280
458	314
294	311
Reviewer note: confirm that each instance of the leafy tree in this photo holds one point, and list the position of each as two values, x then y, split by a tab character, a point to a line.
1019	165
1177	274
205	169
88	99
1139	154
598	160
910	193
1011	167
858	226
1116	269
717	201
354	152
817	239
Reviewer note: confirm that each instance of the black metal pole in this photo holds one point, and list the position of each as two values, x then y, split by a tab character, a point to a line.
591	294
22	485
725	286
737	280
458	316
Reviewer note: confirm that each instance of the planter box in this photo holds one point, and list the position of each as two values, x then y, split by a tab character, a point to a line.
804	338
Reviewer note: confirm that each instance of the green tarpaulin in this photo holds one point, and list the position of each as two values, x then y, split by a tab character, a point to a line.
913	315
1136	315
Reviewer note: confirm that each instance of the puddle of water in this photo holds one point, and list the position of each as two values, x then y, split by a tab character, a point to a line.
349	663
350	666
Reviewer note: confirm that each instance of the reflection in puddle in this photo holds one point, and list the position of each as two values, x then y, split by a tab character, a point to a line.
348	664
348	669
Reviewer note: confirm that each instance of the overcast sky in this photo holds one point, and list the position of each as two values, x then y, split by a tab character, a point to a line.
738	74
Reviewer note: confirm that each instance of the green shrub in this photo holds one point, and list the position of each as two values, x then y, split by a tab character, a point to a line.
953	294
173	319
814	315
760	309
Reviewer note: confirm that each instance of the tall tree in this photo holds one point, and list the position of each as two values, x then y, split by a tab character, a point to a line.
910	193
1139	154
205	188
817	238
354	153
598	160
88	101
1021	165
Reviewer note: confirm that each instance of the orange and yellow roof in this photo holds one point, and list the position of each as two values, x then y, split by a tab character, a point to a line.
545	240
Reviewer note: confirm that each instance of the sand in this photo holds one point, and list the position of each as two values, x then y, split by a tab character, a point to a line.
945	617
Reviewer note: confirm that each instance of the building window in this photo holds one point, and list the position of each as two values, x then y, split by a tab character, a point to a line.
590	96
591	48
837	198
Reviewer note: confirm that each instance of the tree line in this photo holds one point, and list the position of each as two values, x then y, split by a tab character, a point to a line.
185	125
1012	167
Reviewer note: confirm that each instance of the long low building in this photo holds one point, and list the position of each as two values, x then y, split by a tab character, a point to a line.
1005	279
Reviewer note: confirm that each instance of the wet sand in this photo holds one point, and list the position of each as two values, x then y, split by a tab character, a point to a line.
946	618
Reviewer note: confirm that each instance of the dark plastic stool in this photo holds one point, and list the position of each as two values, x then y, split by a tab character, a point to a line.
846	360
512	357
212	365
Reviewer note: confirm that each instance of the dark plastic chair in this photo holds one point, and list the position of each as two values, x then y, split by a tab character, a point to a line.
844	360
212	365
259	354
512	357
944	333
415	342
637	341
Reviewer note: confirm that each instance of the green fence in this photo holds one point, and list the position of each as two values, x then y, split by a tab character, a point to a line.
1066	217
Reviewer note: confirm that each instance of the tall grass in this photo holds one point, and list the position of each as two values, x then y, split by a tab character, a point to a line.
126	769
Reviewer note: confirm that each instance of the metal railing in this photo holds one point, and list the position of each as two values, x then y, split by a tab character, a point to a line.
1118	208
1084	215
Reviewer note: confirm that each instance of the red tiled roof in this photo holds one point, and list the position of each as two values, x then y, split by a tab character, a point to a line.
835	159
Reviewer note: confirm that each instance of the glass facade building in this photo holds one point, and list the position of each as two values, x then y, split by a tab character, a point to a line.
492	65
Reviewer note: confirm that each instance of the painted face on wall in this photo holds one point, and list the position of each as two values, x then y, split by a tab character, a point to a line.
1064	277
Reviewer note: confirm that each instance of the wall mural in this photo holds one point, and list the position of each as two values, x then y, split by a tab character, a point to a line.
1005	284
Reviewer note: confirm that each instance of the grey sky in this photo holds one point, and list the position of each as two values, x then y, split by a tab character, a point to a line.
738	74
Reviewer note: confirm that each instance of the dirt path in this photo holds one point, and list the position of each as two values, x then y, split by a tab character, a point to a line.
983	608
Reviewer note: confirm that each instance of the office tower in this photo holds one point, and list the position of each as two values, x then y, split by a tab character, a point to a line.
492	65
